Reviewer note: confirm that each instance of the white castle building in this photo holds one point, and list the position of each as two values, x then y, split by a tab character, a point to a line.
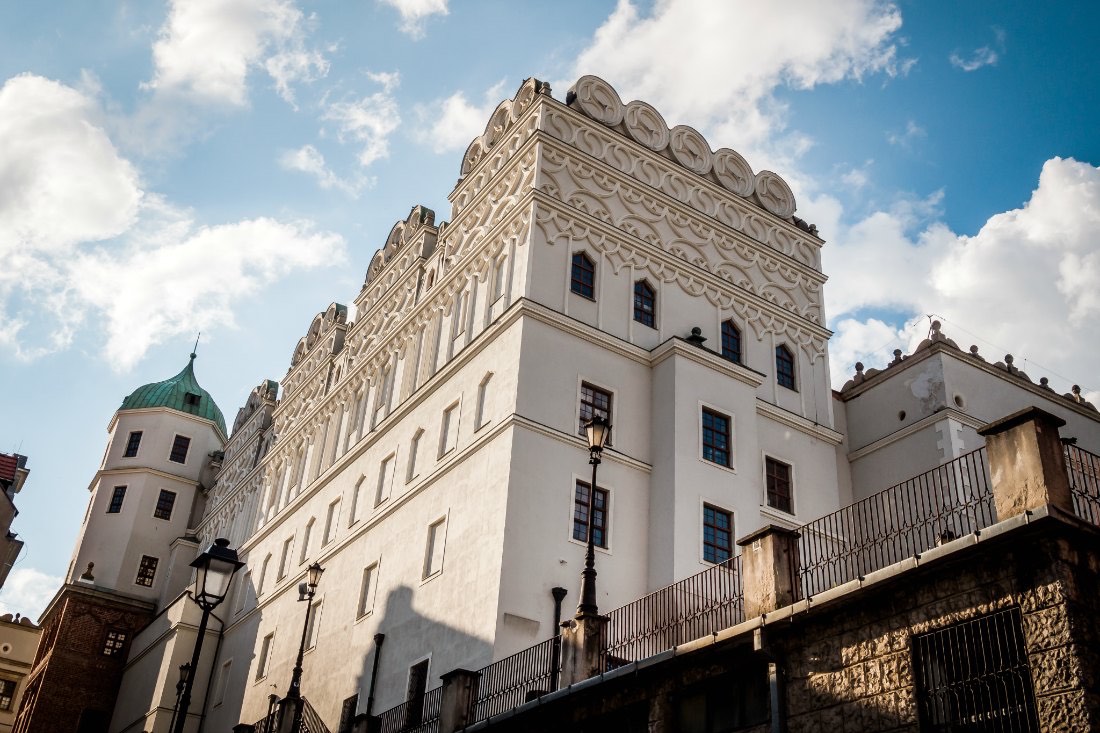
428	454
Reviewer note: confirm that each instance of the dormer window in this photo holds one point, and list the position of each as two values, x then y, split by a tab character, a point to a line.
191	399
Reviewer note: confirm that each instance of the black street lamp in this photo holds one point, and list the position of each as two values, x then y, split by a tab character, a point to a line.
213	572
306	591
598	430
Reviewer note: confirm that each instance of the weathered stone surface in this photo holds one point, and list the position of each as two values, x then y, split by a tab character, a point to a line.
1047	628
1054	670
1064	713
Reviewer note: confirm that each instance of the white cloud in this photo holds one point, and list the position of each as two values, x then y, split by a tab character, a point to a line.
308	159
717	65
907	137
82	242
450	124
415	12
206	49
984	56
1025	283
368	121
27	591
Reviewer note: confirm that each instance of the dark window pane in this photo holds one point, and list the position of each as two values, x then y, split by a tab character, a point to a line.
594	402
116	500
717	539
784	367
778	475
165	502
599	513
645	304
716	434
132	444
731	342
583	278
147	570
179	449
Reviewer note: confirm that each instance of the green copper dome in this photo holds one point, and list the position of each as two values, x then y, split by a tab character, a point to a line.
182	392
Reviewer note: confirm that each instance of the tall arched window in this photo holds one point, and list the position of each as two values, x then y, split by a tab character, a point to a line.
784	367
731	342
583	278
645	304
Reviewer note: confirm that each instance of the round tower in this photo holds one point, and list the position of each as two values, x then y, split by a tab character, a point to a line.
150	489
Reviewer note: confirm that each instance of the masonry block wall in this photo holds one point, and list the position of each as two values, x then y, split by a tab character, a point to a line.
76	691
851	667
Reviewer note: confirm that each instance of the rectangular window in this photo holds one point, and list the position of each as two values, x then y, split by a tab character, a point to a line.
347	714
433	552
242	592
582	279
414	454
645	304
332	521
458	321
132	444
191	399
263	659
303	553
165	502
448	430
114	643
284	560
147	570
116	500
499	271
599	515
223	682
385	393
716	437
367	590
418	684
314	625
595	402
974	676
263	576
717	534
358	500
480	418
7	694
179	449
384	473
778	478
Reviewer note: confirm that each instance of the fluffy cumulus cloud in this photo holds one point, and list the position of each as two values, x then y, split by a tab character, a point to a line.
738	54
84	245
450	124
27	591
367	121
415	12
206	49
1025	283
309	160
984	56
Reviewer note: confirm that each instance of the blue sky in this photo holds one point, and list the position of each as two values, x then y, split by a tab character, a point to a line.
230	167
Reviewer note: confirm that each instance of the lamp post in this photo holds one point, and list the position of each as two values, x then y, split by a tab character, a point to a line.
306	591
185	677
597	430
214	570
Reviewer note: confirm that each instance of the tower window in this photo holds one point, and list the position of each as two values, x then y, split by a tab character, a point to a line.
645	304
716	437
778	477
7	694
116	500
599	515
147	571
595	402
717	534
179	449
114	642
191	399
784	367
731	342
165	502
583	277
132	444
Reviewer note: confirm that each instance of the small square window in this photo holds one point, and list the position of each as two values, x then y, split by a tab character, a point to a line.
132	444
114	643
165	502
716	437
581	514
717	534
147	571
179	449
778	478
117	498
191	399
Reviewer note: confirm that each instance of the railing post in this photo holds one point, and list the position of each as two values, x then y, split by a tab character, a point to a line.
582	647
459	698
290	711
1026	463
769	569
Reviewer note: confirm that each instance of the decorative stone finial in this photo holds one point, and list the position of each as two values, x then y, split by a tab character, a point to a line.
859	367
87	574
697	336
1045	383
1008	359
897	358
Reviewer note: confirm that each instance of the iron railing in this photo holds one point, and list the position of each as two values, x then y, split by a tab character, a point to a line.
310	722
512	681
905	520
690	609
416	715
1083	469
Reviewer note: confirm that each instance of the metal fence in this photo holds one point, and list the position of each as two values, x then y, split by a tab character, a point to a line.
690	609
940	505
416	715
310	722
1083	469
514	680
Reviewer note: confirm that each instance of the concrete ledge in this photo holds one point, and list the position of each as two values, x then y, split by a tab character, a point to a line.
947	548
888	572
835	592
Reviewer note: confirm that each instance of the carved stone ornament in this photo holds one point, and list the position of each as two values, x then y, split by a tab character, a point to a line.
646	126
690	149
734	172
774	194
597	99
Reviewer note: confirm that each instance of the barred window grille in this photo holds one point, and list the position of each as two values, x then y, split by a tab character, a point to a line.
974	677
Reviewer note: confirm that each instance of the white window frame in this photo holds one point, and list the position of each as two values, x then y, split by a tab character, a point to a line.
313	630
732	468
581	381
263	656
609	528
704	500
499	274
482	393
263	575
414	454
368	594
307	536
383	488
223	681
332	522
285	558
448	427
187	455
431	540
765	507
357	502
241	596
